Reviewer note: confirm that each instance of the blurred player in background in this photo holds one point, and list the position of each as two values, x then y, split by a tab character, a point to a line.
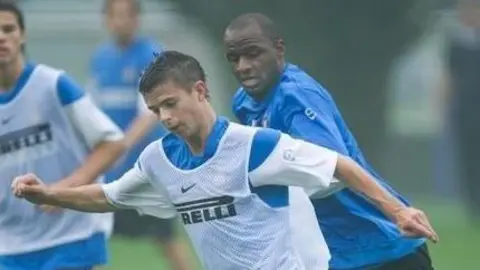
115	69
50	127
227	181
280	95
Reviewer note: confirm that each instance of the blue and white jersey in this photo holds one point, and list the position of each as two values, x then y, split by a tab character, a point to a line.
234	198
48	127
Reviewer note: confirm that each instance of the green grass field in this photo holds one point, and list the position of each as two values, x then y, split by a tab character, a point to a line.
458	248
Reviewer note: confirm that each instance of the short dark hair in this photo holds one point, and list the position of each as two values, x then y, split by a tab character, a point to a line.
134	4
182	69
12	6
266	25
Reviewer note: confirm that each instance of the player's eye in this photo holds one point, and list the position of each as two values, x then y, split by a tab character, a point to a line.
232	58
253	53
170	103
155	110
8	28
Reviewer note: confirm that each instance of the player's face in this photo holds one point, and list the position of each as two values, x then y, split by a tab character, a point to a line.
11	38
122	20
178	108
256	60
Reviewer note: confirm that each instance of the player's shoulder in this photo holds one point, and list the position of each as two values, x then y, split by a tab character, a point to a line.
47	70
297	82
152	150
104	50
148	42
297	86
146	47
47	74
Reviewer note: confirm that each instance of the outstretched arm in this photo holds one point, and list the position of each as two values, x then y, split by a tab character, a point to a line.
299	163
87	198
132	191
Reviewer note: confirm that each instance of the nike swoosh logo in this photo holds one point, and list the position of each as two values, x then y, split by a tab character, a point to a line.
187	188
6	120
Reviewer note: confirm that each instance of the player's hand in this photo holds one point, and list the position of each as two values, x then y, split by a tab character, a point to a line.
414	223
31	188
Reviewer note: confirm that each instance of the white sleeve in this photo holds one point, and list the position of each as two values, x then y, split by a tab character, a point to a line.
91	122
296	163
134	191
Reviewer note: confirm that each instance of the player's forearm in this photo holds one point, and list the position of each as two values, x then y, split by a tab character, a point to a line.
87	198
359	180
139	128
102	157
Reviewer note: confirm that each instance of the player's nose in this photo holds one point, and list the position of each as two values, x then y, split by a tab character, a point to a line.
165	116
2	37
243	65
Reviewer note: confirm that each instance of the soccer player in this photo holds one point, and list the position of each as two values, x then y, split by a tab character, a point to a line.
115	68
50	127
282	96
228	182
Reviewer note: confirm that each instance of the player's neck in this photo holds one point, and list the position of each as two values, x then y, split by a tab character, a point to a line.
197	143
9	74
265	93
125	42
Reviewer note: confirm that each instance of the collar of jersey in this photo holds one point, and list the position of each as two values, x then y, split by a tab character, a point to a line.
20	83
211	145
218	130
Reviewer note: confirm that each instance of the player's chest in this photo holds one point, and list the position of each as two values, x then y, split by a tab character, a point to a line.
32	127
208	193
268	118
29	114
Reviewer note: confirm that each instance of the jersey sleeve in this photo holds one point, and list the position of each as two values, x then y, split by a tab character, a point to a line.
135	191
310	114
68	90
278	159
86	118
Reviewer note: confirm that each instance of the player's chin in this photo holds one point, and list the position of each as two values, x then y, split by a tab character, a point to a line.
179	131
5	60
253	90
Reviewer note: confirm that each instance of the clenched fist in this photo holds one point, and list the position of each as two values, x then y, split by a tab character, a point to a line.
31	188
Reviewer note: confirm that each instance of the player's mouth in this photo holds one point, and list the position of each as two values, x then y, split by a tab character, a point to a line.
250	82
4	51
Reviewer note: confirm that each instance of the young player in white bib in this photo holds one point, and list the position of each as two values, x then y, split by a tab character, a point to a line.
229	183
49	127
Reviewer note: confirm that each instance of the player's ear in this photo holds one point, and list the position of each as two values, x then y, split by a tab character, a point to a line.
200	87
279	45
23	40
